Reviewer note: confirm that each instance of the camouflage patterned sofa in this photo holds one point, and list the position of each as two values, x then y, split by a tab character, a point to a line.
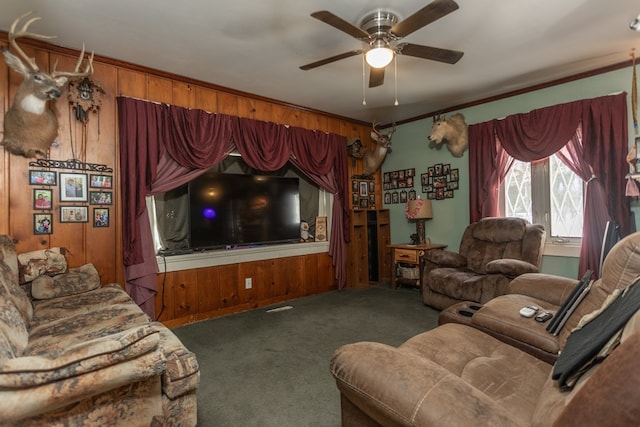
75	353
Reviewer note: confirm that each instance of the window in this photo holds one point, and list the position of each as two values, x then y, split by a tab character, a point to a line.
549	193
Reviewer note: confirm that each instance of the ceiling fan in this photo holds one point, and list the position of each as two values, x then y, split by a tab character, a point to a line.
382	31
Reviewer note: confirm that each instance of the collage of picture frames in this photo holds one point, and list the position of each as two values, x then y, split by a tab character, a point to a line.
74	190
437	183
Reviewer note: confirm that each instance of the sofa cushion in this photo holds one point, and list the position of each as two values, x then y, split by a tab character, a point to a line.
9	287
78	359
466	285
75	281
13	331
502	315
44	261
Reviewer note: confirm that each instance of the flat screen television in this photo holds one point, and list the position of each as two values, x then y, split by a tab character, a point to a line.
228	210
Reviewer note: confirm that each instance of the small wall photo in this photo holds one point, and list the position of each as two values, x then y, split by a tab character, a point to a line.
73	187
74	214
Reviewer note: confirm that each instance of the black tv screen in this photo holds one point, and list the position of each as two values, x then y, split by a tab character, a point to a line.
231	210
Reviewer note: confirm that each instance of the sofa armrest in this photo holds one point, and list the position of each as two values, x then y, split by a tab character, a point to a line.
445	258
75	281
510	267
34	385
182	374
545	287
417	391
86	357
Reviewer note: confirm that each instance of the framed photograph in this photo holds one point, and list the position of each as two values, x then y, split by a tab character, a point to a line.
100	217
73	187
74	214
42	198
101	181
364	189
100	198
42	223
43	177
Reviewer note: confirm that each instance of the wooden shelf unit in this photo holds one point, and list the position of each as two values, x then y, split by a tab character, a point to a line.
368	254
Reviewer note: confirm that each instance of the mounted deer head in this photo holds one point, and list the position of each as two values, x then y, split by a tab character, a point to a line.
373	159
30	127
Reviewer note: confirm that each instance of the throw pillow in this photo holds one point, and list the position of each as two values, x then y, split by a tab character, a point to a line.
77	280
45	261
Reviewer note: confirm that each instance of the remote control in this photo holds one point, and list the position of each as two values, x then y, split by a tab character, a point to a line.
544	316
528	311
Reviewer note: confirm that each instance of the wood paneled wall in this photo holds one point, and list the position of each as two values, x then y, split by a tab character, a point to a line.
103	246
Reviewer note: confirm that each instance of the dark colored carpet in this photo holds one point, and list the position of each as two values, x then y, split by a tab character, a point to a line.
272	369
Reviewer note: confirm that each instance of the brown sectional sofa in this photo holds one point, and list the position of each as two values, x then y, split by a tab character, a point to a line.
75	353
458	375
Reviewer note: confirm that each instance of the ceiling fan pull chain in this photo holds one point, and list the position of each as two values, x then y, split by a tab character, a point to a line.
395	76
364	89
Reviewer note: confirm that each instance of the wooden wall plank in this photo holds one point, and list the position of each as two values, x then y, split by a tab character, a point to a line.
227	104
183	95
208	289
206	99
159	90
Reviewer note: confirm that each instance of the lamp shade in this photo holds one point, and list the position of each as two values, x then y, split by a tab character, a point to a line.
380	55
419	209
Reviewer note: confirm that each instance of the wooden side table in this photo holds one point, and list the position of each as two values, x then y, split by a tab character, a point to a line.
411	255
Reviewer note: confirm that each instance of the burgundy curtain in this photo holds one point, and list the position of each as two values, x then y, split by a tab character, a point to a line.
595	136
163	147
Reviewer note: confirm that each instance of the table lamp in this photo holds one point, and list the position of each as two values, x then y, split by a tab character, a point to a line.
419	210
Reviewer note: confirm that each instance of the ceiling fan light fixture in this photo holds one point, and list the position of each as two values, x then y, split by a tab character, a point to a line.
635	24
380	55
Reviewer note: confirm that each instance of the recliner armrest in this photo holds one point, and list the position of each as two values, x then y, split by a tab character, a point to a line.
546	287
445	258
510	267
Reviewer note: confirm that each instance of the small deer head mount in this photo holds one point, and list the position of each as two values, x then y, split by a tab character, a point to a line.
373	159
30	127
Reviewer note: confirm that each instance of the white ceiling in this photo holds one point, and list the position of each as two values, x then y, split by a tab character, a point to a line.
258	46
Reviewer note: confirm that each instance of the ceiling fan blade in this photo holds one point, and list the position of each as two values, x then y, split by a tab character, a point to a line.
376	76
342	25
330	60
431	12
427	52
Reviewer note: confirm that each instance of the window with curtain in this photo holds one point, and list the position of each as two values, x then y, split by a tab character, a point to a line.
169	211
547	192
589	136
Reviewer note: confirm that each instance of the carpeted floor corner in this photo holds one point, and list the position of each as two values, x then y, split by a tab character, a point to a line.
262	368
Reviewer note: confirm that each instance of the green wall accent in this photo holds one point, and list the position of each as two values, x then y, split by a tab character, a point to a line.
451	216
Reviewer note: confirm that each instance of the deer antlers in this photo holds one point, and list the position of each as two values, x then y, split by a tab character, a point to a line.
381	138
29	126
31	62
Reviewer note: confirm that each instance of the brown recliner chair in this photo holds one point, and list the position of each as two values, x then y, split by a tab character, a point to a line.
493	251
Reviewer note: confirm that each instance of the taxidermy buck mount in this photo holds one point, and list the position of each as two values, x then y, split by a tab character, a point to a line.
372	159
453	131
30	126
